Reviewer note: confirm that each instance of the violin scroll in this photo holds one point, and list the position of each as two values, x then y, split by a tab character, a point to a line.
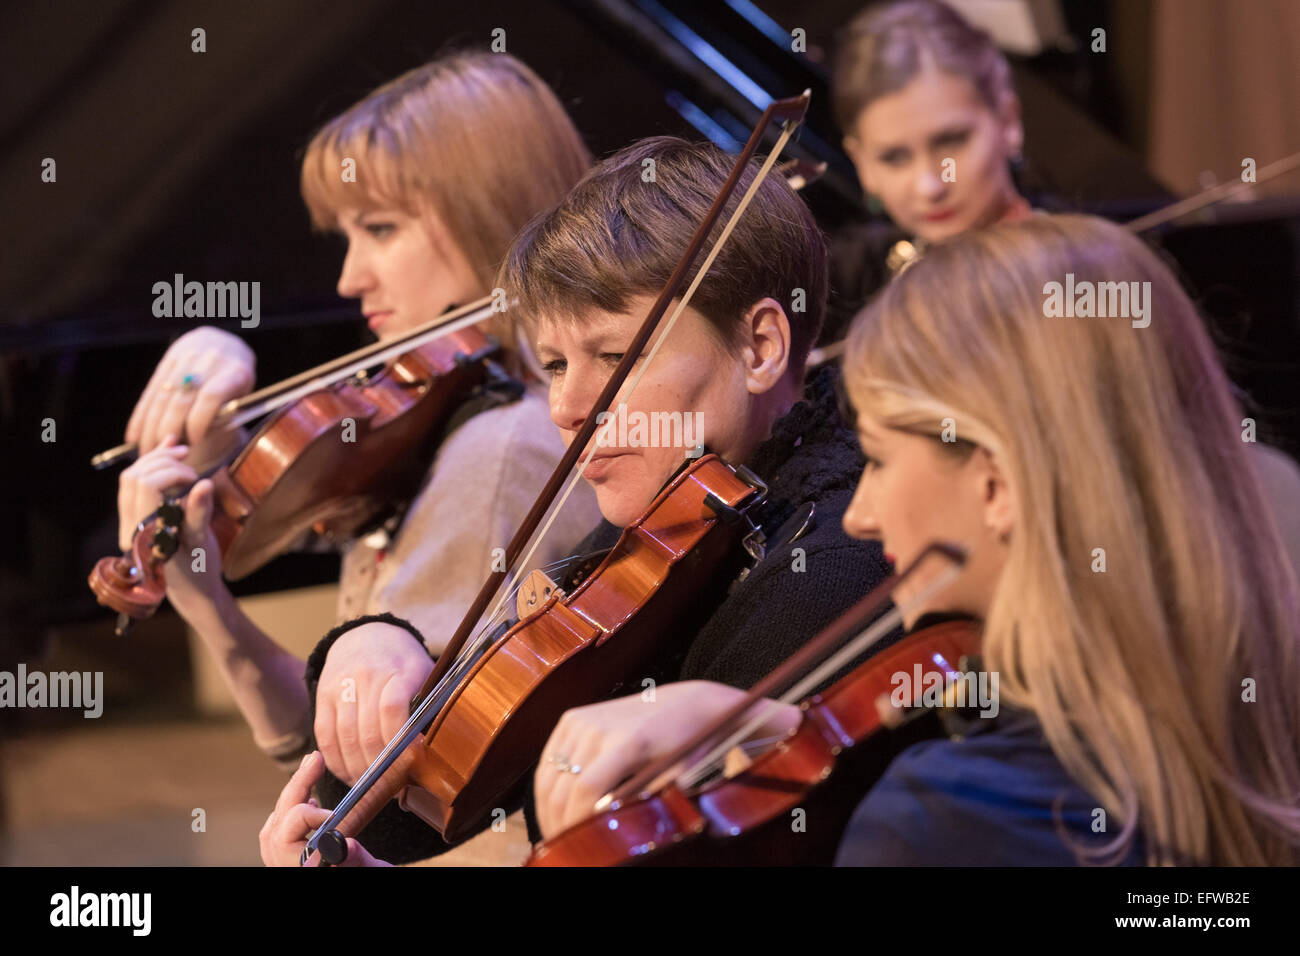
133	583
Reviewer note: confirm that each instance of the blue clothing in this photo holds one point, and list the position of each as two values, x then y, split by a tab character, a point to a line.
997	797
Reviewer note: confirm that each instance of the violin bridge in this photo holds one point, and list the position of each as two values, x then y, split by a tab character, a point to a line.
535	591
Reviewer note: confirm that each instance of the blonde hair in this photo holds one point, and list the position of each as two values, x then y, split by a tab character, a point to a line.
1125	439
476	138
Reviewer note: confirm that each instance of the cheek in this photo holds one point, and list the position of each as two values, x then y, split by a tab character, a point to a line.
986	165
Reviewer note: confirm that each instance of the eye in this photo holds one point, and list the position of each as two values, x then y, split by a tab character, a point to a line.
554	367
894	157
380	230
953	138
612	358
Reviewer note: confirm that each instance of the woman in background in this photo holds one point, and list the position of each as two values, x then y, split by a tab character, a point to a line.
932	123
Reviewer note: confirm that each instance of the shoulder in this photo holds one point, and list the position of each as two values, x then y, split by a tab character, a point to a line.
499	431
994	798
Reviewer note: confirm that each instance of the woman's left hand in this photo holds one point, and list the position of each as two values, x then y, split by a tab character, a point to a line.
595	748
296	817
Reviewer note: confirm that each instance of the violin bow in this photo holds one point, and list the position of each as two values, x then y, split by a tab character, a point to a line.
239	411
791	112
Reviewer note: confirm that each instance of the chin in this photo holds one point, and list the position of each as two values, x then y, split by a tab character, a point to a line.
941	231
616	509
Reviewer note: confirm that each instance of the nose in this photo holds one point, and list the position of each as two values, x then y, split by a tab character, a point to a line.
859	518
929	185
571	401
355	278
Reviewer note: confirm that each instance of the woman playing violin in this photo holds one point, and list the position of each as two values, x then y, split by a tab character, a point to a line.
441	186
1136	603
585	274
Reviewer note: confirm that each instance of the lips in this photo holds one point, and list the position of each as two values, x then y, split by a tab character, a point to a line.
600	465
376	319
940	216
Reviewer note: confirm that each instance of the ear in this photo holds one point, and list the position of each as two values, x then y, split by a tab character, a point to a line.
995	495
766	345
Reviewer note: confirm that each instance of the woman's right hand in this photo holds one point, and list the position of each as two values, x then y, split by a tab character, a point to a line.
222	366
363	696
140	491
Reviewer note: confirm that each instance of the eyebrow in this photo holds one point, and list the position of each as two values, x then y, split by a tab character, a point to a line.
597	340
957	128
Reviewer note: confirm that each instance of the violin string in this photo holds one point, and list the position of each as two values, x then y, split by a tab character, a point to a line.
244	410
706	764
787	130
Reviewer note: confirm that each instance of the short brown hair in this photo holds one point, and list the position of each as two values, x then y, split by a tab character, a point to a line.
618	235
885	47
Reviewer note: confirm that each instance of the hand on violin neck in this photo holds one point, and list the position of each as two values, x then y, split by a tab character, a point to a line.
364	693
194	573
296	816
595	748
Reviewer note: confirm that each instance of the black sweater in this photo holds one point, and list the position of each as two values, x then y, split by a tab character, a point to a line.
794	592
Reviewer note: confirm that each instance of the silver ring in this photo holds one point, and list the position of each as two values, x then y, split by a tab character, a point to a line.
562	764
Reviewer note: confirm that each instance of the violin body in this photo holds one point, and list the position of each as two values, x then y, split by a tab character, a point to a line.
824	768
642	603
333	462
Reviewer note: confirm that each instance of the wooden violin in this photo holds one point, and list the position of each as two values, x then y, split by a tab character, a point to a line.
480	720
339	452
845	739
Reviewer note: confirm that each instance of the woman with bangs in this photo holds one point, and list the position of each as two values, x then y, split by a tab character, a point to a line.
440	189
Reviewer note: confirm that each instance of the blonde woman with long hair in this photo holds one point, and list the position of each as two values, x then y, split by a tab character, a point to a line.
451	160
1137	603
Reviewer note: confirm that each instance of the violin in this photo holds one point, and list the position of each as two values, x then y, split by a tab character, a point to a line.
648	595
480	720
338	452
845	739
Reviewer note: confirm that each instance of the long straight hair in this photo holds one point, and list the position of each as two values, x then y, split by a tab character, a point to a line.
1165	678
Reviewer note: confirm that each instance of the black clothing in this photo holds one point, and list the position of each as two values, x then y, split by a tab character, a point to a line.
781	604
